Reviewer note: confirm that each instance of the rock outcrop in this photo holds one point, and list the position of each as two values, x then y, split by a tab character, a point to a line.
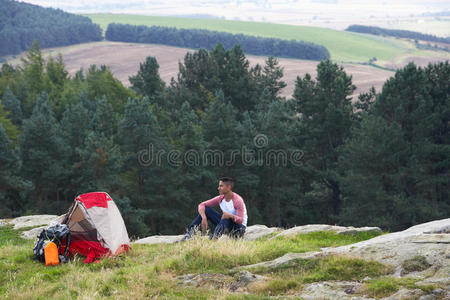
29	221
258	231
419	242
39	222
236	283
421	252
159	239
331	290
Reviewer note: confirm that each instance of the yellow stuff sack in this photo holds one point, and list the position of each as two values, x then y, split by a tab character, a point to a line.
51	254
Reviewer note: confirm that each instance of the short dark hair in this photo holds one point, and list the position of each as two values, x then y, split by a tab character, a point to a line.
228	180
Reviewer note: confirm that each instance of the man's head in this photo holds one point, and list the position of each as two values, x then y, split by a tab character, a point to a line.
226	184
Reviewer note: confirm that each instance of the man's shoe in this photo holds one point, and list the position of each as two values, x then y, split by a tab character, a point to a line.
183	239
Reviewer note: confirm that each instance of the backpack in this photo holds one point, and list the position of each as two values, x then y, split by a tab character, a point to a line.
55	234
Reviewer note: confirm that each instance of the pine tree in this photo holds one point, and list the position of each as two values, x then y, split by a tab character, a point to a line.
11	184
270	77
326	116
55	78
148	181
137	130
101	162
371	162
33	66
191	172
147	81
236	80
274	120
44	154
11	130
105	119
100	83
220	129
75	126
197	79
400	152
12	105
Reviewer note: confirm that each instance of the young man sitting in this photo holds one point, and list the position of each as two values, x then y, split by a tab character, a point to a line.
234	218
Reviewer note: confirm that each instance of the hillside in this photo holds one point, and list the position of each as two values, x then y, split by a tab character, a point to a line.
268	263
343	45
21	23
111	54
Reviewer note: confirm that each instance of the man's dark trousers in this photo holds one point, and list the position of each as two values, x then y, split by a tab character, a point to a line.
222	226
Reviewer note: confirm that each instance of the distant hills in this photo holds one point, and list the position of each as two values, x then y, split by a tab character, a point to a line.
343	46
208	39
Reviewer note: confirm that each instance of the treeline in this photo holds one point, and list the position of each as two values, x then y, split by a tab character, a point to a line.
317	157
398	33
22	23
201	38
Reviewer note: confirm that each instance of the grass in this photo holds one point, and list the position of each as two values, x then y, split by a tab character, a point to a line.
417	263
303	271
203	257
387	285
343	46
150	271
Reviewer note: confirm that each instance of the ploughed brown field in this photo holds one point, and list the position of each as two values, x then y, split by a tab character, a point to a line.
124	59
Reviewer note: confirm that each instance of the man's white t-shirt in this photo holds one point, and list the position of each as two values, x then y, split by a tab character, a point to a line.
227	206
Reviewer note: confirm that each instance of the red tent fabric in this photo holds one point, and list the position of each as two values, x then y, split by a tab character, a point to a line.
94	199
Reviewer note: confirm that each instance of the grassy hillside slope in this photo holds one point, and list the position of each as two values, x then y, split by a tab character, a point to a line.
153	270
343	46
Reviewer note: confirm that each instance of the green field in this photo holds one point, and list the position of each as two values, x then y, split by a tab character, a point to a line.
343	46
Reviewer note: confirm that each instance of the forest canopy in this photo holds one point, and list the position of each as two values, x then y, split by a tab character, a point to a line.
22	23
202	38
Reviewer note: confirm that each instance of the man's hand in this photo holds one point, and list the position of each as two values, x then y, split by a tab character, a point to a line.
227	215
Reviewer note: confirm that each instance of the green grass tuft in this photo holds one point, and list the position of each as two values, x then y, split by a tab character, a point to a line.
417	263
385	286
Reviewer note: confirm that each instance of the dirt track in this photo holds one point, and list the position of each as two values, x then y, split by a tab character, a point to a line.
124	59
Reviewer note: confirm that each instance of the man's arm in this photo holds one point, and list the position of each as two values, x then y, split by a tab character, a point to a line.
239	207
211	202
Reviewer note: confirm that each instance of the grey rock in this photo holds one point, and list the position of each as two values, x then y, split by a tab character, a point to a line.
4	222
391	249
29	221
159	239
405	294
198	280
323	227
32	233
238	283
428	297
243	278
283	260
394	248
38	221
444	229
439	292
332	290
258	231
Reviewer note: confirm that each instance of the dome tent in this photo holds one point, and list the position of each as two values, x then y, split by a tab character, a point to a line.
96	227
